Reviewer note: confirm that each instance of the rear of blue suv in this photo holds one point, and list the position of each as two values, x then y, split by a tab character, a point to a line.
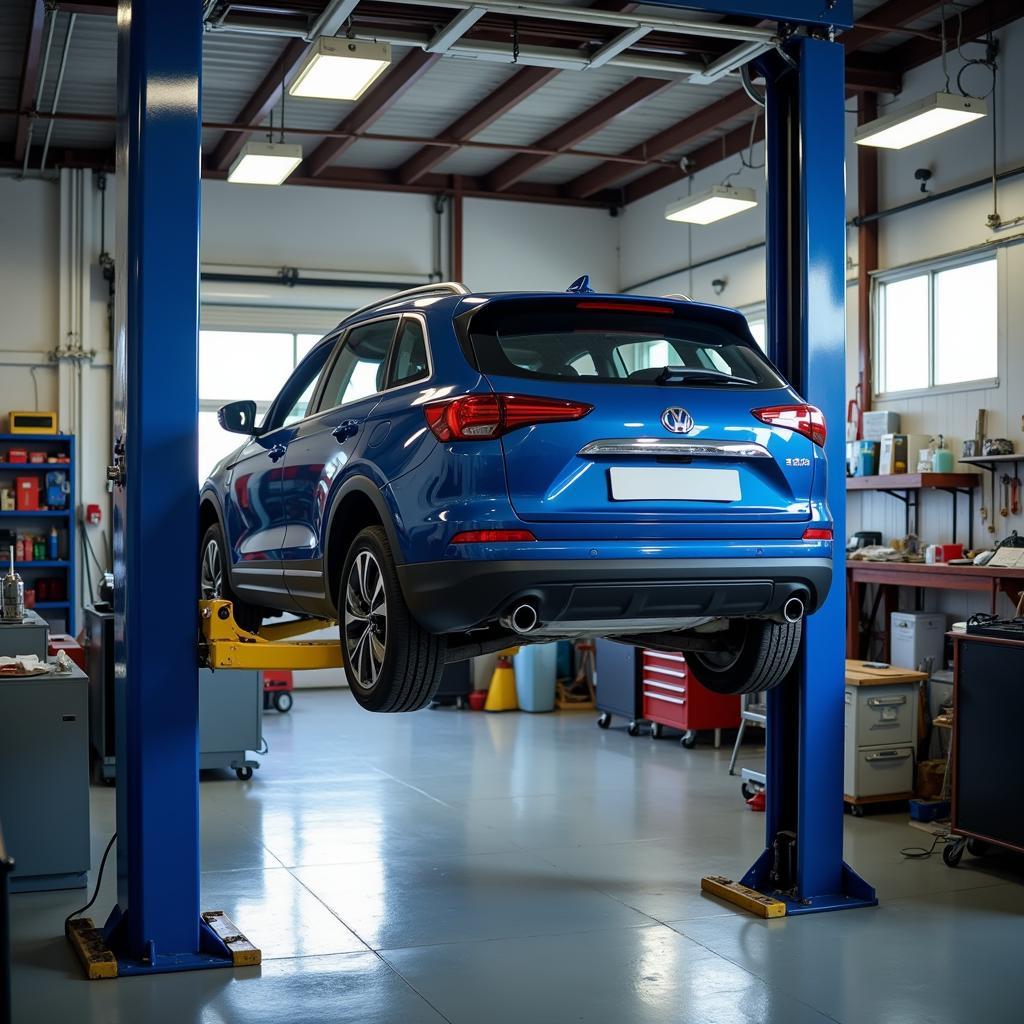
449	473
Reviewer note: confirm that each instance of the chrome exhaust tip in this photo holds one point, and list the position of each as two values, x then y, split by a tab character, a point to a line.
793	610
522	619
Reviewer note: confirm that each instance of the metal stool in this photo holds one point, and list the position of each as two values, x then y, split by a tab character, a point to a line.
756	712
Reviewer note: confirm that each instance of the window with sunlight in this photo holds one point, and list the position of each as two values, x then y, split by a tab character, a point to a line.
236	365
937	327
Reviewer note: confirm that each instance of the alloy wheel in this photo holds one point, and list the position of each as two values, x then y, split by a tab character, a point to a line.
211	573
366	620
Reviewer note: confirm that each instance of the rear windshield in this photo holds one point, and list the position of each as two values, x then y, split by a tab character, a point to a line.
565	342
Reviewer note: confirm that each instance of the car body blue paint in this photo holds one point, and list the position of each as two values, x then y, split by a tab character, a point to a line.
277	511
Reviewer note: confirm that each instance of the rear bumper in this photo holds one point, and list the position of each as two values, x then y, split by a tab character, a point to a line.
453	596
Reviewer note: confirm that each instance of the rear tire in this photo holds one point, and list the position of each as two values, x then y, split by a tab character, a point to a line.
392	663
756	656
214	583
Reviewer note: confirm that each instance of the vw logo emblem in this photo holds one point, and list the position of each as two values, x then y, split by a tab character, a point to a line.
677	420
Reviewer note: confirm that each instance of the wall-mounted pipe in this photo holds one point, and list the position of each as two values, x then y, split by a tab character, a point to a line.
932	197
57	88
695	266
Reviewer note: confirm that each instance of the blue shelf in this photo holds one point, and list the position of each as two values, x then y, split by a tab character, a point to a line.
51	604
60	513
37	466
34	438
40	563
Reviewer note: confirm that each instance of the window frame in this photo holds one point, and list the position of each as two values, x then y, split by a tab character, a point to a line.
931	269
389	372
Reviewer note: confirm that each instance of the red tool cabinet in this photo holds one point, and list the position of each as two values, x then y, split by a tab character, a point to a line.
671	696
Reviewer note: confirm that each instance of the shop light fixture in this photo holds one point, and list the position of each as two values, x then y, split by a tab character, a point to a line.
937	113
337	68
265	163
712	204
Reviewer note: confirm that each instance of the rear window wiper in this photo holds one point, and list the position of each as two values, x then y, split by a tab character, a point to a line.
684	375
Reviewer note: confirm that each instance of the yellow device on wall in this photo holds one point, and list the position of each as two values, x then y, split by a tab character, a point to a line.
32	423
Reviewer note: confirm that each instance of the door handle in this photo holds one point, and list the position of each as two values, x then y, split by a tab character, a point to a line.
343	431
277	452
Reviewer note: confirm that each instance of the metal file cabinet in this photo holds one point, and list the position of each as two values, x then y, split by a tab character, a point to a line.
44	779
880	734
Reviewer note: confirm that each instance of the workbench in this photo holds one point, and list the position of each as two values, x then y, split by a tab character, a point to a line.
889	576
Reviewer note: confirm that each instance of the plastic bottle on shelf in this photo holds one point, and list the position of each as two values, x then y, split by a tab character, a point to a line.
53	547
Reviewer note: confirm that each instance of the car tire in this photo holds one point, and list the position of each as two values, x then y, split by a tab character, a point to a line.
391	662
756	657
214	583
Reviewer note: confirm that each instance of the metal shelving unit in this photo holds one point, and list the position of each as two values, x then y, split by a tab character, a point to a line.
64	519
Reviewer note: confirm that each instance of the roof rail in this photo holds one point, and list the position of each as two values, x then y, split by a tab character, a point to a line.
437	288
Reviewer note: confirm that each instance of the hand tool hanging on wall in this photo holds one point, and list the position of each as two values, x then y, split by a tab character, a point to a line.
1004	509
991	522
1015	494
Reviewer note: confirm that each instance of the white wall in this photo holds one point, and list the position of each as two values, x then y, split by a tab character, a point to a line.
947	226
508	246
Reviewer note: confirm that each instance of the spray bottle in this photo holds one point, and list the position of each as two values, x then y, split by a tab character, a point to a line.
12	595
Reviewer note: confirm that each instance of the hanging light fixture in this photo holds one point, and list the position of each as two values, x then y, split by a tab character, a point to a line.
265	163
337	68
937	113
712	204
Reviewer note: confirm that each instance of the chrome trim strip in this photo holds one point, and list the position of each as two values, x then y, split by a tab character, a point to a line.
676	446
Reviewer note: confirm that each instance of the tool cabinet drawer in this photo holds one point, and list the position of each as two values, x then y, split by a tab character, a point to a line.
665	705
879	771
877	715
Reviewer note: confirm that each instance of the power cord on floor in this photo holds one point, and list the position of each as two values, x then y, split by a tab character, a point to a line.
96	890
919	852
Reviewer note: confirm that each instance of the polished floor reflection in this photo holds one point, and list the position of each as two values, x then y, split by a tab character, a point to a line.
463	867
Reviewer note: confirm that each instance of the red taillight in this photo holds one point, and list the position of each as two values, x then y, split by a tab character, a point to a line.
626	307
818	533
481	417
491	536
804	419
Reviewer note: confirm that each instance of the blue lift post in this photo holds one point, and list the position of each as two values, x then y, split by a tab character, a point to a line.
802	864
157	925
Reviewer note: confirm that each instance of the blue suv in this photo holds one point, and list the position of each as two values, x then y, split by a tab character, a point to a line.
448	474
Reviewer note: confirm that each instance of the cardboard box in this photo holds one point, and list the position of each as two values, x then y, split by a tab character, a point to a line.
898	452
878	423
26	493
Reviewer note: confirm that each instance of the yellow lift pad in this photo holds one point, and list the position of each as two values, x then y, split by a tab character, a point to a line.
99	962
742	896
226	645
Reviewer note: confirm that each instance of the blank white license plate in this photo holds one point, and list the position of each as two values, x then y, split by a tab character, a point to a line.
665	483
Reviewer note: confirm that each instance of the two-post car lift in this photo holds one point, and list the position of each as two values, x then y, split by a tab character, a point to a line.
156	924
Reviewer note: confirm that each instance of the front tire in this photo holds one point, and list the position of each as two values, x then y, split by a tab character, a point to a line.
391	663
756	655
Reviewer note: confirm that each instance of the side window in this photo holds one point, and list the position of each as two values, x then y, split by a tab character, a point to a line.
358	372
293	404
410	359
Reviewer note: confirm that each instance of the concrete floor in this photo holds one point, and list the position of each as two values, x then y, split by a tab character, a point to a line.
465	867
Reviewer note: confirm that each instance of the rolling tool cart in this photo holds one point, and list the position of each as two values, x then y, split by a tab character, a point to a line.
618	685
753	712
278	685
988	809
672	697
456	686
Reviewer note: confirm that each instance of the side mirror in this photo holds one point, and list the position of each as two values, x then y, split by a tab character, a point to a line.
238	417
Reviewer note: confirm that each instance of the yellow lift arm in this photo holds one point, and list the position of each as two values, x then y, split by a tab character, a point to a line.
226	645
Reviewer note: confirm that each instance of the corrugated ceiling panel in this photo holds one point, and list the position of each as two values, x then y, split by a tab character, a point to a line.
561	99
473	162
233	67
561	169
90	85
446	91
13	35
367	153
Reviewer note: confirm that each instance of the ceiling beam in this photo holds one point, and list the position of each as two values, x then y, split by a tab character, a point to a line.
497	103
29	78
710	153
892	14
988	16
262	101
580	127
608	174
374	104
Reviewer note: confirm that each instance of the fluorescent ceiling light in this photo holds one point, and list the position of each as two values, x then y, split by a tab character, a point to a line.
337	68
940	112
265	163
713	204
